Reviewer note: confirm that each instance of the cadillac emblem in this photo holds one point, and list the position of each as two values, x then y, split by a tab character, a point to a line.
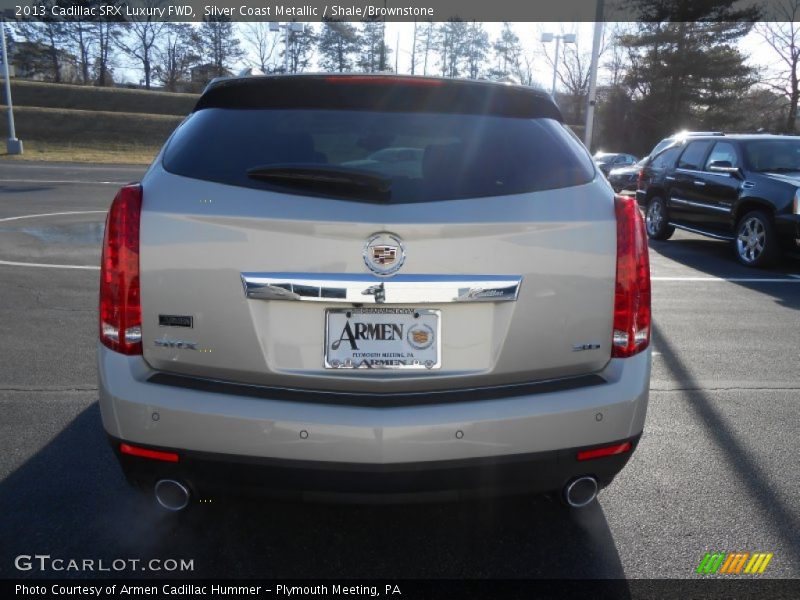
384	254
420	336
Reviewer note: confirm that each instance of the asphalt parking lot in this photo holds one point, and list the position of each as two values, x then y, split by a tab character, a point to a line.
716	470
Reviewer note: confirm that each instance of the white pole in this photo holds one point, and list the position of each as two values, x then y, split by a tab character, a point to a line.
598	35
13	145
555	67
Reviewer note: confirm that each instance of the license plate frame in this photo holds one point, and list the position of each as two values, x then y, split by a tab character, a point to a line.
410	352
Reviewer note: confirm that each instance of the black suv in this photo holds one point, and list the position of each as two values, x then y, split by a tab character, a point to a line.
742	188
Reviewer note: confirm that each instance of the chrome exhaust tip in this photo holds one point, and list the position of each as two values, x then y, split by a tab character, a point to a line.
172	495
580	491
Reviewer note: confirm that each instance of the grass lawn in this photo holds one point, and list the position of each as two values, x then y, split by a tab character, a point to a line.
98	153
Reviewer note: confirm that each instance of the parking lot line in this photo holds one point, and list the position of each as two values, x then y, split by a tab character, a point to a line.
11	263
55	181
785	279
55	214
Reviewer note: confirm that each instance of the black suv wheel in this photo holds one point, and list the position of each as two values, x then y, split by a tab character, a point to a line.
756	242
656	220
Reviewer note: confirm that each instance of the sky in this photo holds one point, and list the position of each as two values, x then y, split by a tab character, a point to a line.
529	34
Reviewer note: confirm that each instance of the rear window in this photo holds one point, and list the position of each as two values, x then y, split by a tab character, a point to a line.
773	155
421	156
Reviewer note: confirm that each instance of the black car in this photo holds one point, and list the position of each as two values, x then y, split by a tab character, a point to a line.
680	137
742	188
606	161
625	178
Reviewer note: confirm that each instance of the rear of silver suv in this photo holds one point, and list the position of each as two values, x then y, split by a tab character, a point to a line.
368	287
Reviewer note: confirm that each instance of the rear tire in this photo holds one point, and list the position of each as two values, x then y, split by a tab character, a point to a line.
756	242
657	220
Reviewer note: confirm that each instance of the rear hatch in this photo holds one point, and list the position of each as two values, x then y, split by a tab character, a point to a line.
376	234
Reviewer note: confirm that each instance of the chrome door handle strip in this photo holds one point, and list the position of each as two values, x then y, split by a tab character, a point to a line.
343	288
682	201
699	182
670	178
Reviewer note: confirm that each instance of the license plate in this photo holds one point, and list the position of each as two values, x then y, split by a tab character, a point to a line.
382	338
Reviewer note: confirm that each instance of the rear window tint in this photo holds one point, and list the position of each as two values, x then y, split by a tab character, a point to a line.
692	157
666	160
427	156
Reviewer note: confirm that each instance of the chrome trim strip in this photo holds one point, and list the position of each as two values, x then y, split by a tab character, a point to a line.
342	288
716	236
724	209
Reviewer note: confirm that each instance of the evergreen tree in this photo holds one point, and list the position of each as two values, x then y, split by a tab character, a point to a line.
476	48
337	44
452	46
373	54
685	68
425	46
301	48
508	55
46	37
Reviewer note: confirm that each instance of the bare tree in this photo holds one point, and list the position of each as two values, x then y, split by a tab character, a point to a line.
414	49
783	37
574	70
141	38
177	51
107	34
262	42
79	36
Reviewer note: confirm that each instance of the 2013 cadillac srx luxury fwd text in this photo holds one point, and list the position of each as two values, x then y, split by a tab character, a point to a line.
368	287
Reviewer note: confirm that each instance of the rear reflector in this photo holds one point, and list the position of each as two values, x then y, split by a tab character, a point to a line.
120	307
605	451
146	453
632	291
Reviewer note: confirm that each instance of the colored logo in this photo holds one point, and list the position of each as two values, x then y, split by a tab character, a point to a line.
384	253
420	336
734	563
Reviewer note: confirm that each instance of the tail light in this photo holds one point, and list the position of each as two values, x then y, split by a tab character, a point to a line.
120	305
632	293
640	180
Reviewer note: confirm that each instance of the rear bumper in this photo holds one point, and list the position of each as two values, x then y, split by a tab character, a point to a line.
210	475
519	438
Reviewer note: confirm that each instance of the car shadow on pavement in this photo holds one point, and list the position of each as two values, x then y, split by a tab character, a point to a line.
70	500
715	258
741	464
